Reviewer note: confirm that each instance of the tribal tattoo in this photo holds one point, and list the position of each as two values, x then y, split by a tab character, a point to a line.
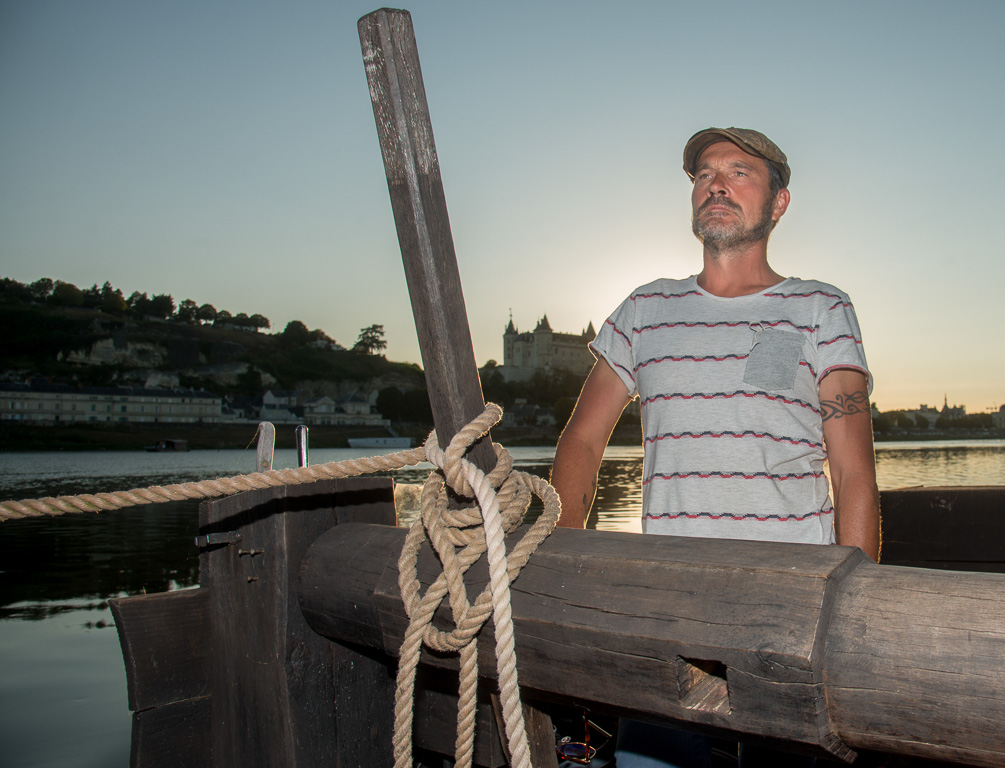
845	405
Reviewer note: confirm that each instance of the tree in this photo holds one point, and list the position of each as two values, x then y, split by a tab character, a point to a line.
92	297
162	305
41	289
112	300
206	313
371	340
222	317
417	406
188	312
66	295
139	303
296	334
391	403
12	290
260	321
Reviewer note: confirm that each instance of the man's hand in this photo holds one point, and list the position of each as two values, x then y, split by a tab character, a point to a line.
847	422
581	447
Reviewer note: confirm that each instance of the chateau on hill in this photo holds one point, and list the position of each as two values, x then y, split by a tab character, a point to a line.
544	349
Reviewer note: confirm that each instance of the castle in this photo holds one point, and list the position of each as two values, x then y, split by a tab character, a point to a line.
544	349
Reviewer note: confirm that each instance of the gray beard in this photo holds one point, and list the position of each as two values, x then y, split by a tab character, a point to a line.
718	237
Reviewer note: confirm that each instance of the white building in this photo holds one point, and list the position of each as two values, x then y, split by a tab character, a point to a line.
354	410
65	404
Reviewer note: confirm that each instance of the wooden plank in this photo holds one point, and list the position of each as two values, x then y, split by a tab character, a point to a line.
272	677
165	645
405	130
812	645
950	528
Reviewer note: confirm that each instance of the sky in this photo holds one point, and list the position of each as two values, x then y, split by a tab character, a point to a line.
225	152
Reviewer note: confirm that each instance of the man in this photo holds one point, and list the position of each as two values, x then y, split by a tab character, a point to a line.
748	382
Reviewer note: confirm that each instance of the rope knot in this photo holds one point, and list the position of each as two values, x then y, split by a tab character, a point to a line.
459	537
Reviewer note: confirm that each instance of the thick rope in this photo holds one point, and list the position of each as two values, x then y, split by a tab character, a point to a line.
459	538
207	489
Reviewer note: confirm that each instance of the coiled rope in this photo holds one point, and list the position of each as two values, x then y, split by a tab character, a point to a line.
458	536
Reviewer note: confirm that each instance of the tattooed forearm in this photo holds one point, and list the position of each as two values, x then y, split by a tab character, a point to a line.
844	405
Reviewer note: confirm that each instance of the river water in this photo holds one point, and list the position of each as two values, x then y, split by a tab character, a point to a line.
62	681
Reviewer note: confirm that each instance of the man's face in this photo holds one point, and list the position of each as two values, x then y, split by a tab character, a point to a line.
732	205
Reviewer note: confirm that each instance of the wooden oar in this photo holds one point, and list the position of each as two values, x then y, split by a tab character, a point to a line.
427	250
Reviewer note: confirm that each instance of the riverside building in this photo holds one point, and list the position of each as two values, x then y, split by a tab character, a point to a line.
66	404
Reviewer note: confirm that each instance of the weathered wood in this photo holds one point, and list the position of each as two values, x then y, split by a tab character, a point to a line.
266	447
420	216
165	645
172	735
815	646
919	666
272	678
950	528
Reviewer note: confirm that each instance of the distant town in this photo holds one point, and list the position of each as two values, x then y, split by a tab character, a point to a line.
92	356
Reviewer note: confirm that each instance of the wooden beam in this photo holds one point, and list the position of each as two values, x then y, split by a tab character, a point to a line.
814	646
405	131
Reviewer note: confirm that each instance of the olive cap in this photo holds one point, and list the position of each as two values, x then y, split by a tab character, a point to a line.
752	142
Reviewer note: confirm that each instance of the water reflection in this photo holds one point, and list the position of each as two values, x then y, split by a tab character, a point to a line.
901	465
53	565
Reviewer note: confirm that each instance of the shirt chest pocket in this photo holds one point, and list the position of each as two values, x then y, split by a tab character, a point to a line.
774	359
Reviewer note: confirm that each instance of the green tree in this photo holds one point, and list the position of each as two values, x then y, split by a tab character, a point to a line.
66	295
371	340
188	312
260	321
206	313
12	290
139	303
92	297
249	382
112	300
41	289
296	334
417	406
162	305
391	403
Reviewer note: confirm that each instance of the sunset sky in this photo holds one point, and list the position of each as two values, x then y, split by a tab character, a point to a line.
226	152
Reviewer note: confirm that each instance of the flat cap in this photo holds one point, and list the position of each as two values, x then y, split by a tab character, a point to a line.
751	142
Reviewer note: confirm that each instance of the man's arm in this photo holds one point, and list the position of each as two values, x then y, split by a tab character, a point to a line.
581	447
847	422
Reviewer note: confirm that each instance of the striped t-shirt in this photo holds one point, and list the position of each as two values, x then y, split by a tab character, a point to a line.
731	419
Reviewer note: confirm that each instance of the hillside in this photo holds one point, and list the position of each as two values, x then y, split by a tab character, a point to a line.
92	347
